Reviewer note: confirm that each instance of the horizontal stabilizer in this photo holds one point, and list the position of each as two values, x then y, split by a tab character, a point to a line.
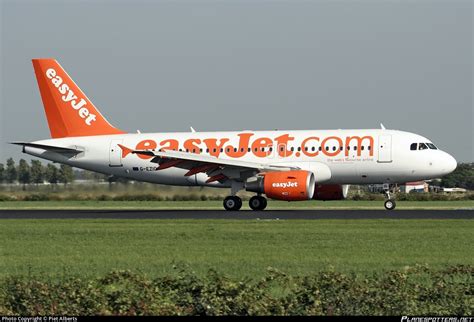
52	148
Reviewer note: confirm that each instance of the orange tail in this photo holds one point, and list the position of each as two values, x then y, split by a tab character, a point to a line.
68	110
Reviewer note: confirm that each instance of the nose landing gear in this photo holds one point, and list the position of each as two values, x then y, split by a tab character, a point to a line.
389	203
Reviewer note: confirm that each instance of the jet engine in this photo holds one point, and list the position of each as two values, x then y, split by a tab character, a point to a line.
285	185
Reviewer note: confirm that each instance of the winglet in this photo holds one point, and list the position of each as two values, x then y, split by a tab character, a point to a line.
125	151
382	127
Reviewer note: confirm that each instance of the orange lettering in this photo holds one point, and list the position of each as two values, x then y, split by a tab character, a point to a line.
171	145
191	146
259	145
359	144
145	145
338	148
282	142
243	146
304	147
215	149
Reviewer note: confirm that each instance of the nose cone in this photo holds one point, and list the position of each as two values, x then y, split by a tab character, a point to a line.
449	164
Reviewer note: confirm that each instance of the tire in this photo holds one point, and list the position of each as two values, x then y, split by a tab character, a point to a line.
257	203
264	204
390	204
232	203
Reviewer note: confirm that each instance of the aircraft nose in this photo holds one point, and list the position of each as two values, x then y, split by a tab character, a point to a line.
449	163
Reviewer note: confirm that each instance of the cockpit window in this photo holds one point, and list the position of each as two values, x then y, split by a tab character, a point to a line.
413	146
431	146
422	146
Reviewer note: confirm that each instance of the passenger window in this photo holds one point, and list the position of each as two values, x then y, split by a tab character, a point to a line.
413	146
312	149
292	149
362	148
422	146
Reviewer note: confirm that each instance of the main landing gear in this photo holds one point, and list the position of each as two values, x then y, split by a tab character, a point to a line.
389	203
234	203
258	203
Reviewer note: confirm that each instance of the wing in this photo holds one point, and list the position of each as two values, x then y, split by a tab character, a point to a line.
217	169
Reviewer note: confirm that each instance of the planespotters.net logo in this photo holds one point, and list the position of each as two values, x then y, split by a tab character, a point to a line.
288	184
437	319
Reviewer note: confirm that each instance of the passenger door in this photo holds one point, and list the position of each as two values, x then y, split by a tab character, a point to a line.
115	153
385	148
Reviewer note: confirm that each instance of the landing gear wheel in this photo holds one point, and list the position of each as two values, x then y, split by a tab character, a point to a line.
232	203
390	204
258	203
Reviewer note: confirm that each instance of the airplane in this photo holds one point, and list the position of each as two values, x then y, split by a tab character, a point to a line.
282	165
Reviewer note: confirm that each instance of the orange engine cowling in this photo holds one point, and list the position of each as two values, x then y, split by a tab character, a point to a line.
330	192
286	185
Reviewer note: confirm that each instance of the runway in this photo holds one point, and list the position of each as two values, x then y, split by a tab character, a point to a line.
236	215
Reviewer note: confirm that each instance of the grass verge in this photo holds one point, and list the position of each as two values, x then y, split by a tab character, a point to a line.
237	248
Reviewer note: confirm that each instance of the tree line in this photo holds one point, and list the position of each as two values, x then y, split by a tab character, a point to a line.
37	173
462	177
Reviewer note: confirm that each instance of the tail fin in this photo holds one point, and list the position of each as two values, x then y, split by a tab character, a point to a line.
68	110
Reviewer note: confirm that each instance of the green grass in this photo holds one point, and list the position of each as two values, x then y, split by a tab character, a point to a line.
343	204
236	248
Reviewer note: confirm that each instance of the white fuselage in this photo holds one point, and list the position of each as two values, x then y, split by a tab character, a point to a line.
352	156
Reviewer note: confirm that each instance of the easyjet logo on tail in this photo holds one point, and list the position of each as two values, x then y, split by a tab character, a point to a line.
68	96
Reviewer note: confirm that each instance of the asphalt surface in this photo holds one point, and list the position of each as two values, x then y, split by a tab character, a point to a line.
243	214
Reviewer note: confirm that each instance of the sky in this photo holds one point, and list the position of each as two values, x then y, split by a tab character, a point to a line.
163	66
